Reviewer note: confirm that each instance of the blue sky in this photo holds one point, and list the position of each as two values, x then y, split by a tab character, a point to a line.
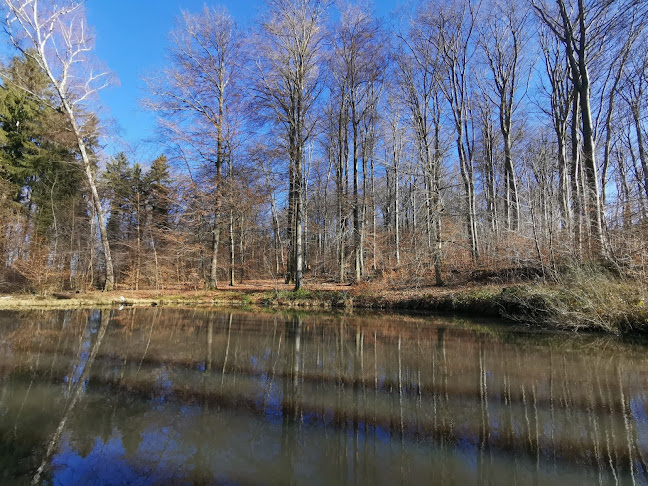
131	37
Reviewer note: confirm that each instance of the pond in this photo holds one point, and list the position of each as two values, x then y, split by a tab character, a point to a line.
174	396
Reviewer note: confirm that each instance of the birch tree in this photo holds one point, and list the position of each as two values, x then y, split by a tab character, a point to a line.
55	34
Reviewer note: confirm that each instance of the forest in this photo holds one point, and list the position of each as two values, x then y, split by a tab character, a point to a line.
455	140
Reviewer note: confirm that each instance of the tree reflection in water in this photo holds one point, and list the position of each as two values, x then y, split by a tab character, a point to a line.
137	397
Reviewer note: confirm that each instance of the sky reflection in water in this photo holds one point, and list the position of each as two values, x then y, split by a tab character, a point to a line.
151	396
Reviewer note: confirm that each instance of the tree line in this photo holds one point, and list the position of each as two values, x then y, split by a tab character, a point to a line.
324	141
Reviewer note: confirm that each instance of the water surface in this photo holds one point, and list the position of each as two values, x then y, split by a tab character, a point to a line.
163	396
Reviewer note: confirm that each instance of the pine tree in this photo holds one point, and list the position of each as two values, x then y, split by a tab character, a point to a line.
35	149
156	182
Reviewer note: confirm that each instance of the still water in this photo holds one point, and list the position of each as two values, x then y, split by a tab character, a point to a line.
164	396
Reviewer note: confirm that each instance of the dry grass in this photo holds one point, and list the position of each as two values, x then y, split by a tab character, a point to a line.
580	299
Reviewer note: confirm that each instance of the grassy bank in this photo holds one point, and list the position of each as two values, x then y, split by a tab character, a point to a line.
578	300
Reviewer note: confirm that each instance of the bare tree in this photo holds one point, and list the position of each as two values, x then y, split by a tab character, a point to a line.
616	66
452	28
504	39
633	91
360	62
488	165
418	76
55	34
394	141
585	29
195	100
288	85
560	94
338	148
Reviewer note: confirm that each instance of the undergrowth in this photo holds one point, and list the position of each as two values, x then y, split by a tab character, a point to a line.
584	297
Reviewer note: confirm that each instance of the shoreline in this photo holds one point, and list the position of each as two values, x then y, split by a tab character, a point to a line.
617	308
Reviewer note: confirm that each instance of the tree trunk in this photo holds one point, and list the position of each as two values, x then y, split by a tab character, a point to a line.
110	276
290	267
139	243
589	164
512	200
575	176
469	195
357	231
213	268
396	155
436	201
636	115
299	250
232	250
298	204
373	217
